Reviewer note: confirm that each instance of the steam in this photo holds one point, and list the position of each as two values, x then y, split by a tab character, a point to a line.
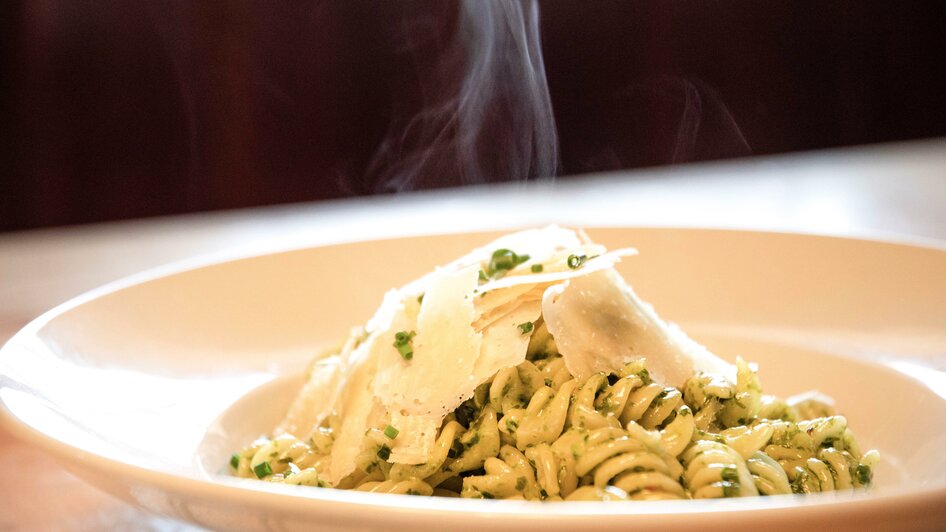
486	114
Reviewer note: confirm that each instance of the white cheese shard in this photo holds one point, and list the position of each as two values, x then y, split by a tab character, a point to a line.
416	435
359	402
312	404
436	379
599	324
504	342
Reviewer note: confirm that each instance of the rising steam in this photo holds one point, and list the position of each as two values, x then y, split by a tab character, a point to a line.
486	114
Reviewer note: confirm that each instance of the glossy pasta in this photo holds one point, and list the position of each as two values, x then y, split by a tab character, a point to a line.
529	369
535	432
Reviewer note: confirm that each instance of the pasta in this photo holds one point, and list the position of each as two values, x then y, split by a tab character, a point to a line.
531	419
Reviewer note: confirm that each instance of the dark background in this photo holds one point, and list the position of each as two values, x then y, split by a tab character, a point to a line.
118	109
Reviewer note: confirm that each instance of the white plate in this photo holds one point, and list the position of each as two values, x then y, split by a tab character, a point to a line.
146	386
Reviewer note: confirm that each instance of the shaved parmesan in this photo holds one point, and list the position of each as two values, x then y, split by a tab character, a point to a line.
599	324
416	436
313	403
359	403
504	343
438	377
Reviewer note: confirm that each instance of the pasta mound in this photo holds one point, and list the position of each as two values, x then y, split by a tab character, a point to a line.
529	369
535	432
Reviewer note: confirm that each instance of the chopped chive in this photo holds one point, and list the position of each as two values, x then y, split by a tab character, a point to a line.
402	341
406	351
864	474
504	259
262	469
483	276
526	327
235	461
420	298
575	261
384	452
391	432
536	268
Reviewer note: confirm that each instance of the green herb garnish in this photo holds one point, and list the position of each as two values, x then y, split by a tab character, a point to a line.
574	261
864	474
391	432
504	260
384	452
526	327
235	461
536	268
262	469
403	342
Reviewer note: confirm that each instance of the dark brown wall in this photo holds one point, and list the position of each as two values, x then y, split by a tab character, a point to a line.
118	109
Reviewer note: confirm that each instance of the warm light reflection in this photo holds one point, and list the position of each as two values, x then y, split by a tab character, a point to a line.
934	379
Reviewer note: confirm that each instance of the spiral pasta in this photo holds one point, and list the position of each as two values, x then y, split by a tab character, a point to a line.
535	432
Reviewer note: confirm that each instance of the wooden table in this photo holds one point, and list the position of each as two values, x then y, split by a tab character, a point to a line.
893	192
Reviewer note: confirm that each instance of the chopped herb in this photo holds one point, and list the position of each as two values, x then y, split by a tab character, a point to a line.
483	276
536	268
504	260
799	484
262	469
544	494
574	261
659	398
455	450
864	474
420	298
526	327
473	441
384	452
521	483
235	461
645	376
488	495
729	474
402	341
391	432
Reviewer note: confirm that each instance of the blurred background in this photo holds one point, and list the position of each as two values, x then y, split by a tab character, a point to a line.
115	110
